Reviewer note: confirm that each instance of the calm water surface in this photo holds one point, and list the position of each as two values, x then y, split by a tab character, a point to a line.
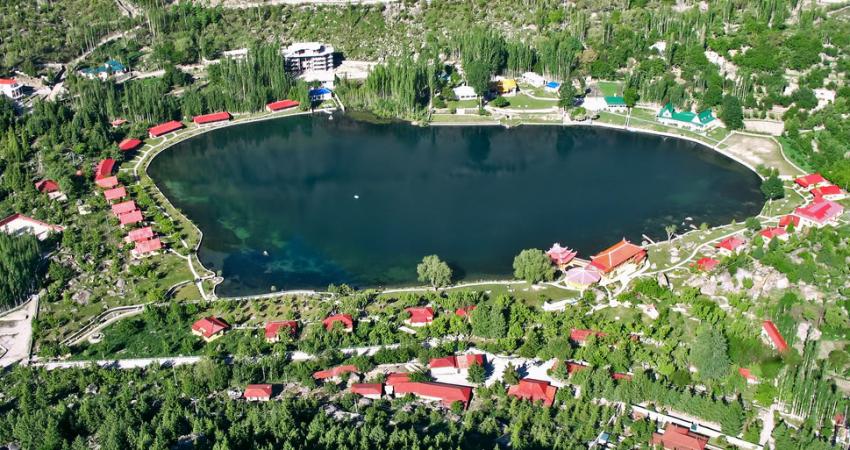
305	201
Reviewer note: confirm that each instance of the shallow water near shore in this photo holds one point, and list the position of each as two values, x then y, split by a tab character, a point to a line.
301	202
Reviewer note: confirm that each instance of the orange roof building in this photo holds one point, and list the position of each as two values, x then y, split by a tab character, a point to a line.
368	390
675	437
445	393
258	392
618	255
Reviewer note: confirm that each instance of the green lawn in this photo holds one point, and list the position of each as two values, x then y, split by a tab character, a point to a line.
609	88
521	102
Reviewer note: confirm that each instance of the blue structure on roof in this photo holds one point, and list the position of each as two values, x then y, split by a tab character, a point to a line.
109	67
553	85
319	94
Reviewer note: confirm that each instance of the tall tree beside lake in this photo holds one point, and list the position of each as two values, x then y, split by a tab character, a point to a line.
709	354
533	266
434	271
731	113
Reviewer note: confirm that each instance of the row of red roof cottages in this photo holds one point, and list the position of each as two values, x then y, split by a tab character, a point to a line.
216	117
128	213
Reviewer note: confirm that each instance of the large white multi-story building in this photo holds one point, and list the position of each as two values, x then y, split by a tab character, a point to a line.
11	88
308	56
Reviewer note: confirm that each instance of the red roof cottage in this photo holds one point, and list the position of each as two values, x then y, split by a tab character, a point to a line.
129	144
281	105
829	192
819	213
679	438
776	340
164	128
368	390
455	364
344	319
257	392
419	316
466	311
123	207
140	234
46	186
730	245
107	183
579	336
789	219
212	118
115	193
273	329
209	328
147	247
768	234
130	218
810	180
445	393
335	373
534	390
104	168
618	256
707	264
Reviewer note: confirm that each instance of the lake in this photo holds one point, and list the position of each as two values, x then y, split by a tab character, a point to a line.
301	202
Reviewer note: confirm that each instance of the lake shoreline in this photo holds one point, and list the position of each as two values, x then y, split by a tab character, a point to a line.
197	131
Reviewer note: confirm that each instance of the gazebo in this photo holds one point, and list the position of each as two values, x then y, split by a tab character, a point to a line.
560	256
581	277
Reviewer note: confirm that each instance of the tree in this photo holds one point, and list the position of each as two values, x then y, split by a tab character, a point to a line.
772	188
476	374
631	97
434	272
731	113
709	354
478	76
510	375
500	102
566	95
533	266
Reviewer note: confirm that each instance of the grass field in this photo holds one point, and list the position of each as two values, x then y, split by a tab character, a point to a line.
609	88
521	102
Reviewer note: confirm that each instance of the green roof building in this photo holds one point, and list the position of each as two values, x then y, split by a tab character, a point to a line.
702	121
614	101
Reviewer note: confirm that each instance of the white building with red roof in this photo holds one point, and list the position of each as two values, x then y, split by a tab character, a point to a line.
368	390
446	394
534	390
104	168
146	248
107	182
829	192
281	105
273	330
768	234
209	328
11	88
819	213
51	188
164	128
223	116
771	334
17	224
789	219
258	392
130	218
123	207
419	316
140	234
730	245
129	144
451	365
